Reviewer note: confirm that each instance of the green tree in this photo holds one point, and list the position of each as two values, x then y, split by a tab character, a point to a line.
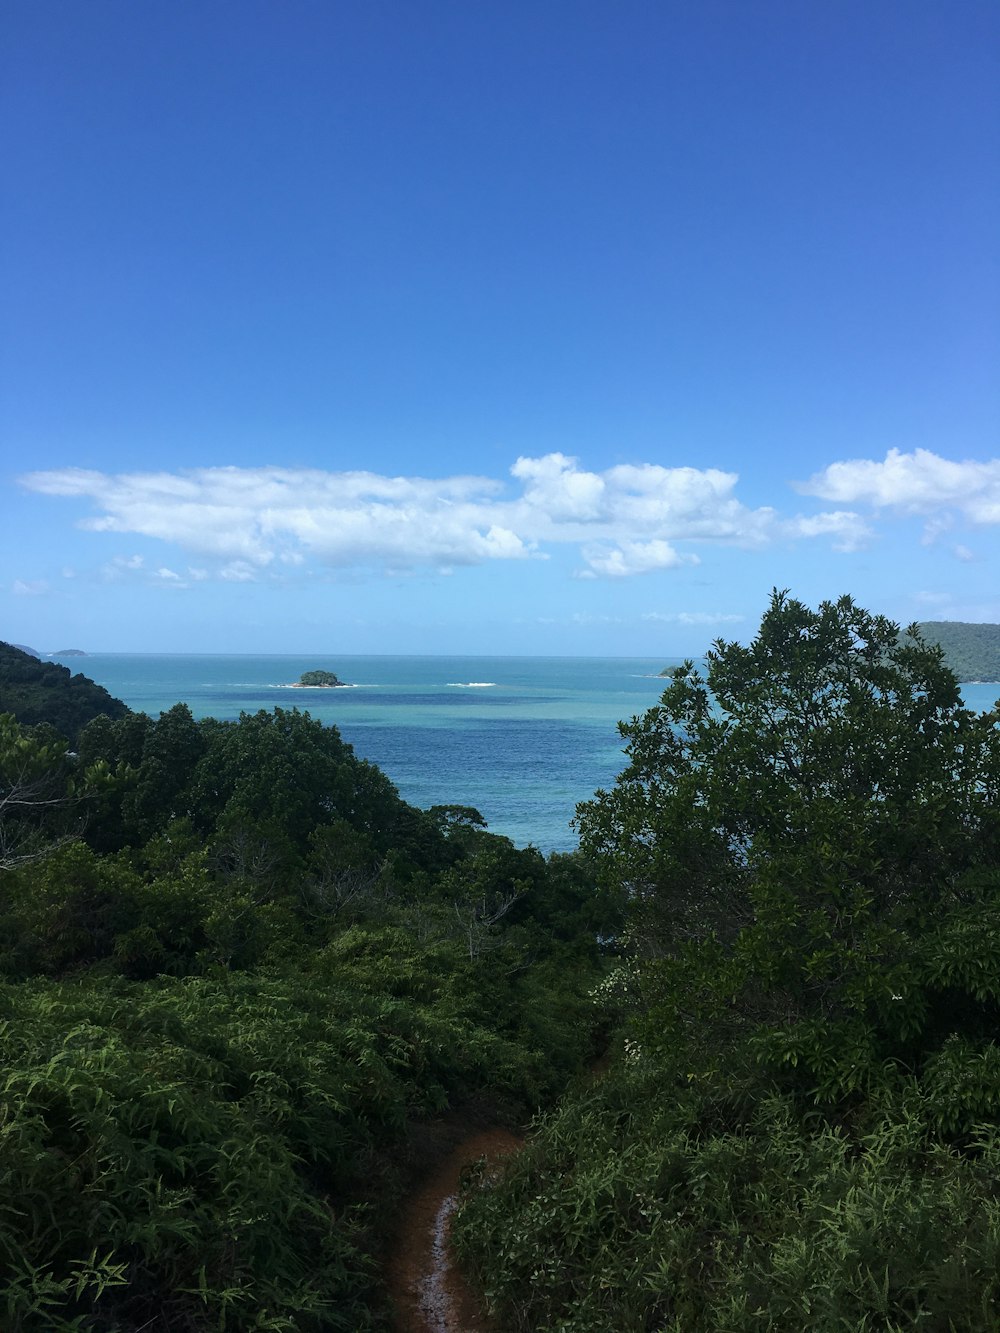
282	767
45	692
319	678
791	829
172	748
803	1126
46	793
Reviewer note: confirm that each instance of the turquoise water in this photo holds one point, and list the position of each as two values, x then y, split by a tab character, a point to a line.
522	739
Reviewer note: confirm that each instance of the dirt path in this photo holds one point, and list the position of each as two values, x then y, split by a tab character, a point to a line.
427	1290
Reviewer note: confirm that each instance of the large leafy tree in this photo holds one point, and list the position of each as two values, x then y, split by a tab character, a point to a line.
803	1128
804	831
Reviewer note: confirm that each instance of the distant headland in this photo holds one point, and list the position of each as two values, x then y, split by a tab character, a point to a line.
971	649
63	652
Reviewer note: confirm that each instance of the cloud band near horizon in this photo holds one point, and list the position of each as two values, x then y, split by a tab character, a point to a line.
629	519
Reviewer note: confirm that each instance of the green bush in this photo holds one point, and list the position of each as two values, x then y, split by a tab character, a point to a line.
230	1142
645	1204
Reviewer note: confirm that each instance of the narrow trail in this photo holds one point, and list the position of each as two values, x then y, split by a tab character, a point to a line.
428	1292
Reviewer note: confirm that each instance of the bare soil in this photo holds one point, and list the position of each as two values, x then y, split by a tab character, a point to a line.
428	1292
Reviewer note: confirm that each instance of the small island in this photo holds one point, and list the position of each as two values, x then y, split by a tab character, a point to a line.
323	679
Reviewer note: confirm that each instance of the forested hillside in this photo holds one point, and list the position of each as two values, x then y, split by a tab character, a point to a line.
971	650
238	974
36	691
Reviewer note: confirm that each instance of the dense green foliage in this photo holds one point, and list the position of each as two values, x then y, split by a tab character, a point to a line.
235	971
971	650
802	1128
647	1204
319	678
35	691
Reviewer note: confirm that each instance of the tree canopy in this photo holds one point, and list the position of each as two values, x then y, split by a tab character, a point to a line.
34	691
327	678
803	1127
238	970
799	814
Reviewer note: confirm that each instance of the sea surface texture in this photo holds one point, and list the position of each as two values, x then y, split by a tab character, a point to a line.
522	739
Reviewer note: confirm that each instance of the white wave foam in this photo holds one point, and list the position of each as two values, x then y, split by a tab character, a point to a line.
328	689
472	684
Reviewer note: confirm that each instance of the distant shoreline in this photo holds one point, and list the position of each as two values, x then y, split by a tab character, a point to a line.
339	685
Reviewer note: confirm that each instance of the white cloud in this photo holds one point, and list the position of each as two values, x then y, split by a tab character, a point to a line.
849	530
238	522
964	553
686	502
555	486
919	483
29	587
634	558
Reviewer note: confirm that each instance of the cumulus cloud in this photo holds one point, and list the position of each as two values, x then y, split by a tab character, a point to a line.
634	558
241	523
555	487
918	483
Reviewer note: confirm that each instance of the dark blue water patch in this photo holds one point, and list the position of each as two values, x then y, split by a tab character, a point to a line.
526	778
439	699
439	741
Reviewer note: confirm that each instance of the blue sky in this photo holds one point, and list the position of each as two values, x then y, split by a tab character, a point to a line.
520	327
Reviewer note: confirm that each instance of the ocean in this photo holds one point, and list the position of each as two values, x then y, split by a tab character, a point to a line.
522	739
